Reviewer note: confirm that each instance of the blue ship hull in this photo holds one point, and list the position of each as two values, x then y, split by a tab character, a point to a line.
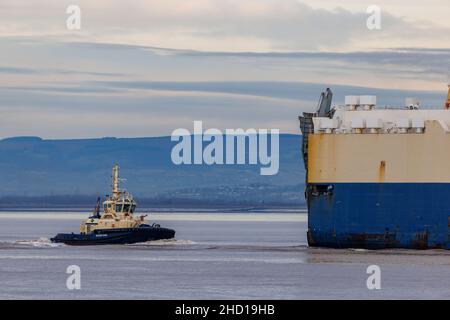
379	215
115	236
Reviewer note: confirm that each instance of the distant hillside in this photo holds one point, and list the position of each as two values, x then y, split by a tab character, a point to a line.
32	167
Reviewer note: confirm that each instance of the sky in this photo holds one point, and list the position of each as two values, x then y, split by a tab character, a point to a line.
145	68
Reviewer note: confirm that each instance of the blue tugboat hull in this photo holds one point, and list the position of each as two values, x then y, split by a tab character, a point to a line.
115	236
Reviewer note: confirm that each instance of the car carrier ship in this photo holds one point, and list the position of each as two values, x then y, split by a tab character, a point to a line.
377	177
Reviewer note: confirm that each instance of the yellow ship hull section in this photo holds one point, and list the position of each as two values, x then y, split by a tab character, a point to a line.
379	158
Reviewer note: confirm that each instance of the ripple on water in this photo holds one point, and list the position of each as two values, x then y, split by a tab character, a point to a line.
164	242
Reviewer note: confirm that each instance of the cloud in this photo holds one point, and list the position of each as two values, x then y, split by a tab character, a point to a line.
58	89
17	70
130	109
428	62
73	62
224	25
302	95
29	71
61	115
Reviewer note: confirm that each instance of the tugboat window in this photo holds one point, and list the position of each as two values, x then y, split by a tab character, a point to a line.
126	207
118	207
132	208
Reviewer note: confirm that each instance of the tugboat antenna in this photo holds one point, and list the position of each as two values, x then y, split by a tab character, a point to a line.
115	182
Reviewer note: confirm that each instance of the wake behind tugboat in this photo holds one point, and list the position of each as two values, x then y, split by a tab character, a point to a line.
117	224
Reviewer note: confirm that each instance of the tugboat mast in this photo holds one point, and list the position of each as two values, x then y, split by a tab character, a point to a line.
115	181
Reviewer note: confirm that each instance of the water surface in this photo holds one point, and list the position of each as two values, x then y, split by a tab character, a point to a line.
214	256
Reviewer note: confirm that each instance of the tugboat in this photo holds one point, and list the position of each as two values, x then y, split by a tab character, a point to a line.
117	224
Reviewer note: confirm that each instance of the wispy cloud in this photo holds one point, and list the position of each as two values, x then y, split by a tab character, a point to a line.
127	109
17	70
163	64
70	63
229	25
